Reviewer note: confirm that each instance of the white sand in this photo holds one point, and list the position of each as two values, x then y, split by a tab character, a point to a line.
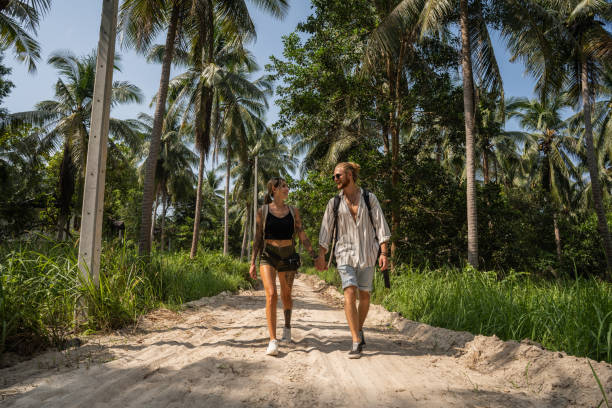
212	355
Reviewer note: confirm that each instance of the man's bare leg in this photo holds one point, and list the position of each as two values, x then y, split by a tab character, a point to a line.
350	309
364	307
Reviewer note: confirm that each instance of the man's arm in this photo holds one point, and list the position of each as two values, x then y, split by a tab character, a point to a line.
382	231
380	224
327	225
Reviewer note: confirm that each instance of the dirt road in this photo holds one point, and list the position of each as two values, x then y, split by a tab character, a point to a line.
212	355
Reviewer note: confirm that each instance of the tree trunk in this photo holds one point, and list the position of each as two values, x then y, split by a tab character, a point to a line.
163	220
495	170
144	245
250	235
385	139
485	166
198	209
468	108
557	236
154	213
255	201
228	167
66	191
202	124
245	234
602	223
395	145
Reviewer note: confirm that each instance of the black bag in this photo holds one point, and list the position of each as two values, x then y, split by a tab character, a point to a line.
294	260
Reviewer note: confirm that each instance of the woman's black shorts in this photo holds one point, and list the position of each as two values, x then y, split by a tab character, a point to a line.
280	258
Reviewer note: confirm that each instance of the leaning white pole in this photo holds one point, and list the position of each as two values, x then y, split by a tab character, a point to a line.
93	196
255	201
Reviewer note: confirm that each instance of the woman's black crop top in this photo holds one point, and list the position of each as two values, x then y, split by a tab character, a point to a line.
279	228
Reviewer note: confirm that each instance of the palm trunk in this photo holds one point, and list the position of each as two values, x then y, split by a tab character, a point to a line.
395	145
155	205
202	125
245	234
495	170
226	205
66	190
602	223
557	236
485	166
468	108
198	209
163	220
144	245
249	244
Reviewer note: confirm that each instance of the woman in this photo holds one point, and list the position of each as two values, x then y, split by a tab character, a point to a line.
277	223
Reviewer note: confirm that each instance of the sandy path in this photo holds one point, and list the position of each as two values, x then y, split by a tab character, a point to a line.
212	355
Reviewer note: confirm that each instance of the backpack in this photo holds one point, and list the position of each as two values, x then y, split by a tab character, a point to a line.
366	198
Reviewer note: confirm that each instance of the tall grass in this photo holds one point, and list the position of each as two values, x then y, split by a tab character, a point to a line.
40	285
573	315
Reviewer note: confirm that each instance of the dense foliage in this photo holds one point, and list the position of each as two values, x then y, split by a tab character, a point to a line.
40	285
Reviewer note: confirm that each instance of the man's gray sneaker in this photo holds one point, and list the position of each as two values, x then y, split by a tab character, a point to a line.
355	351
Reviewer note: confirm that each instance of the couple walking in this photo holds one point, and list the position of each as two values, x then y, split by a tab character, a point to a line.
355	227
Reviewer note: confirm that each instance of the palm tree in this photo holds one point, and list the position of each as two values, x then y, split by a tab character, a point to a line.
236	22
226	78
476	50
274	159
549	151
565	45
173	175
67	119
602	140
140	21
19	20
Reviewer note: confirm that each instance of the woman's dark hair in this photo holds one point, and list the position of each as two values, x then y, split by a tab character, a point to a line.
274	182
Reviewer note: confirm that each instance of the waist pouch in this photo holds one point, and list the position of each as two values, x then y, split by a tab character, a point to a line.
282	259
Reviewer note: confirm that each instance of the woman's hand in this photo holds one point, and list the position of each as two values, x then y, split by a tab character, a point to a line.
253	271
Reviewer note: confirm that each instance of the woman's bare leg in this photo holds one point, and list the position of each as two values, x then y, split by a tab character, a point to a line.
286	286
268	276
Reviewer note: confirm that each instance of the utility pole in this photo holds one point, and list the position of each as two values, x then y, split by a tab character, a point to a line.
90	241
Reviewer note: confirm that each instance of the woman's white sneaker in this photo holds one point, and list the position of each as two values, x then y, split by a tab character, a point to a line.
272	348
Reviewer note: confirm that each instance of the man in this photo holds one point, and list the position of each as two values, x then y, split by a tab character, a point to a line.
356	248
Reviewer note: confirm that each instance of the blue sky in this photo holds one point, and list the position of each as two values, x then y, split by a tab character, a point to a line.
74	25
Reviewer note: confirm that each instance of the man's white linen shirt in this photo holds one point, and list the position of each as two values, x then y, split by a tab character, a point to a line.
357	245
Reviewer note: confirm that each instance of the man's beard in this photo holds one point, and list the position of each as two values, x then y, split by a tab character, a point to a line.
344	184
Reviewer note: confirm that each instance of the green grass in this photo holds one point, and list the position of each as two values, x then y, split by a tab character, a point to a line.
574	315
40	285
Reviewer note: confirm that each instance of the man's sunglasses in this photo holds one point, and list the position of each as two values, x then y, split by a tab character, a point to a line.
336	176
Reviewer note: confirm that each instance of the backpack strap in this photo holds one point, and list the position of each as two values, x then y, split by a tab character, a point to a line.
337	199
366	198
264	216
292	212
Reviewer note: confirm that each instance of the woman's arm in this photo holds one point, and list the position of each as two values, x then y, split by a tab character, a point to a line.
299	229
